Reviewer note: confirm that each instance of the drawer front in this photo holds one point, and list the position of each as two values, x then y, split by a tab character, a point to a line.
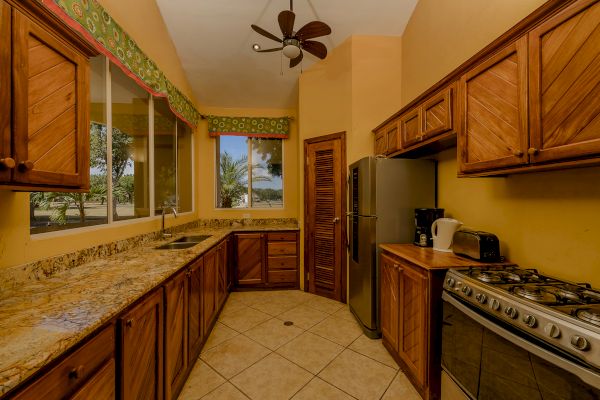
282	249
282	236
75	370
286	276
285	262
101	386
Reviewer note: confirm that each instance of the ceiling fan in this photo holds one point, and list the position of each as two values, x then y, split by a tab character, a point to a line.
294	42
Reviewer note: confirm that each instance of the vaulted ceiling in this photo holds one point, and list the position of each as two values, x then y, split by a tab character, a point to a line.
214	41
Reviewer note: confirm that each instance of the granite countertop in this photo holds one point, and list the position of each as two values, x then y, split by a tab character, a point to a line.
41	320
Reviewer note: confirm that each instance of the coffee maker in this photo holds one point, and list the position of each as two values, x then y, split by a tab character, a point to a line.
424	217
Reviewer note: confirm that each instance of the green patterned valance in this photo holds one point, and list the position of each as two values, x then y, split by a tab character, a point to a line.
93	22
249	126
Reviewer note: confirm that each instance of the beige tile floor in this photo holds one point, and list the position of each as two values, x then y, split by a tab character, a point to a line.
251	354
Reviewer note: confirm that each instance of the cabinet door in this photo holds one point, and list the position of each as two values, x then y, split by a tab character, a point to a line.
209	289
142	350
50	110
412	345
392	137
436	114
195	320
564	78
249	259
176	329
101	386
6	161
410	127
222	274
390	286
380	143
493	100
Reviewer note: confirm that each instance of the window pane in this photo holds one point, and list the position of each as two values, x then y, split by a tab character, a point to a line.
232	163
56	211
164	156
130	178
184	167
267	173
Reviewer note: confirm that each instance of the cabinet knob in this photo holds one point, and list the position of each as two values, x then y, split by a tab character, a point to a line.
25	166
7	162
533	151
129	322
76	372
518	153
188	274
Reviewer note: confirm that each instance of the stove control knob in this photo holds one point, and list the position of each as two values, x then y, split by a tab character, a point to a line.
530	320
511	312
467	290
495	304
450	282
552	330
481	298
580	343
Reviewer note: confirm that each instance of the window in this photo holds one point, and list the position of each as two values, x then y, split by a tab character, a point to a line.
250	172
131	159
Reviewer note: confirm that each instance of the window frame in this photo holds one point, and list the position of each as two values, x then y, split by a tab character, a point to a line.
111	223
216	184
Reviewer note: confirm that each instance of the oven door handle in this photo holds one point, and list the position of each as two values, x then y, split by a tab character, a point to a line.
584	374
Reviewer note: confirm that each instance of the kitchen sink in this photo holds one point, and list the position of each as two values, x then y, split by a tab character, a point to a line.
192	239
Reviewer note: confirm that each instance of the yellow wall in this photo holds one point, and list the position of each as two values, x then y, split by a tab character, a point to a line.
548	220
206	156
16	246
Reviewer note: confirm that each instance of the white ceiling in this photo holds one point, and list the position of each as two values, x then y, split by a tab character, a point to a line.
213	39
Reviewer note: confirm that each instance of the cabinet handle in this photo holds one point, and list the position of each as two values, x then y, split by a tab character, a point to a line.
533	151
76	372
7	162
188	274
25	166
518	153
129	322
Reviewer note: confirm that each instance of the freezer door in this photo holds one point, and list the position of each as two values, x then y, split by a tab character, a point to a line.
363	280
362	187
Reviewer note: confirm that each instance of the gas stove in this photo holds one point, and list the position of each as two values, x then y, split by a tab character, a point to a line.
563	314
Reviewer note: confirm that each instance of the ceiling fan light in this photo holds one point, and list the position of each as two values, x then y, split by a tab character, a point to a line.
256	47
291	51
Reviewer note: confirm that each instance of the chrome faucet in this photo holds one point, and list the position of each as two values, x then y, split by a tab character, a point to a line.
162	229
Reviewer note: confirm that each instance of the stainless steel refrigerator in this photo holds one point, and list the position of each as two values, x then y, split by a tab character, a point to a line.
383	195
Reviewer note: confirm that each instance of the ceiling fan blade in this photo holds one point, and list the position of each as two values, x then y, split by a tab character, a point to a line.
313	29
269	50
315	48
286	22
296	61
260	30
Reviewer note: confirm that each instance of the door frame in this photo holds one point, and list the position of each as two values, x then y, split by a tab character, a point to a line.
343	198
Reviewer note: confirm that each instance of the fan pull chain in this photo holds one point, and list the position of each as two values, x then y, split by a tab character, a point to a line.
281	63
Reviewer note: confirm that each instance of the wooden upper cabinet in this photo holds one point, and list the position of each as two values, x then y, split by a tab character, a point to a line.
6	159
437	114
392	135
390	287
50	108
493	99
142	350
380	142
249	259
564	76
176	334
410	127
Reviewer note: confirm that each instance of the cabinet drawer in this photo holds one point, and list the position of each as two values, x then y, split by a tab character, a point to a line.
101	386
75	370
282	236
286	276
286	262
282	249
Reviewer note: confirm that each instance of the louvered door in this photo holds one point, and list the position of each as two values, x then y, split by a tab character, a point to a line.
324	194
50	109
6	160
413	333
176	339
142	350
564	75
390	287
493	131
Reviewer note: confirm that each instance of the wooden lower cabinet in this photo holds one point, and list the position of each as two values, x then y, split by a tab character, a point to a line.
141	361
222	269
250	269
390	302
101	386
176	334
195	312
209	289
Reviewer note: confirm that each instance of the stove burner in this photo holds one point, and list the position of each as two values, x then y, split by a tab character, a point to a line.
567	294
488	276
589	314
513	277
534	293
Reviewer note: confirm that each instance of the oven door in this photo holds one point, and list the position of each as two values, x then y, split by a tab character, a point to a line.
489	361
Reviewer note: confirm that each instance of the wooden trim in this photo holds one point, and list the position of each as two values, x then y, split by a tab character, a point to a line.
578	163
5	87
521	28
427	147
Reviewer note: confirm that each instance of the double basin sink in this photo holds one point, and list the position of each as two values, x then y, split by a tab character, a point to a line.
184	242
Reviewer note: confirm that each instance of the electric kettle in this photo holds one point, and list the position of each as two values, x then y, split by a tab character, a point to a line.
442	231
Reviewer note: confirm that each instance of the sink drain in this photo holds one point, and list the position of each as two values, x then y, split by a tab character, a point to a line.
288	323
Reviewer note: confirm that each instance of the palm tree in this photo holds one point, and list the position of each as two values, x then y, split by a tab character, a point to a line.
233	179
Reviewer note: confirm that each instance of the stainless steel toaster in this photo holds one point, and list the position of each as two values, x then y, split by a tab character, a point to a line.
481	246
